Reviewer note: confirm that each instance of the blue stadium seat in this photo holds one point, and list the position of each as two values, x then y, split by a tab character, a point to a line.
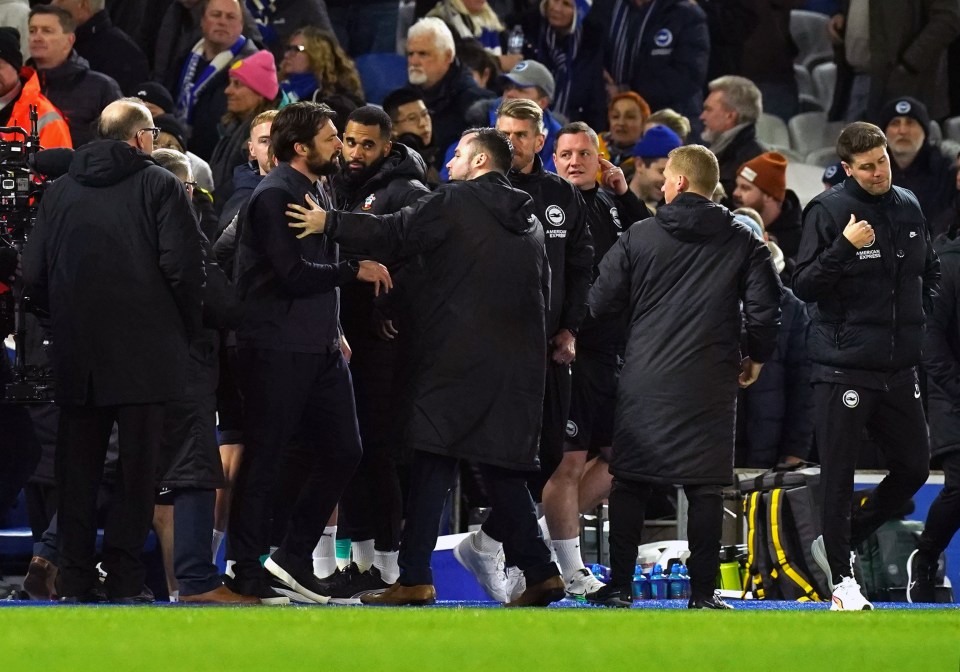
381	74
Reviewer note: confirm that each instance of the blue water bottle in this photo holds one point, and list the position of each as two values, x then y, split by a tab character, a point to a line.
658	584
640	588
675	582
684	582
601	572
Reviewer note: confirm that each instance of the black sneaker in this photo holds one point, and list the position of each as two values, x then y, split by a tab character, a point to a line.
297	577
921	578
707	602
145	596
611	596
348	586
93	596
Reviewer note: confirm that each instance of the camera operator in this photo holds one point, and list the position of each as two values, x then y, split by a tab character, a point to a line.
116	257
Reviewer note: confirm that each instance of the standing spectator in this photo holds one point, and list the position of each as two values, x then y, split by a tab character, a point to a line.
889	49
155	260
682	278
447	88
627	114
20	89
65	77
315	68
202	75
650	160
658	48
107	48
767	56
729	118
365	26
869	273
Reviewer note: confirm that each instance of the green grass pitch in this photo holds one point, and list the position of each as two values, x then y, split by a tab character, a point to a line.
111	639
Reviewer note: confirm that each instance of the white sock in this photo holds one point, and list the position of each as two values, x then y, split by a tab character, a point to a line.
363	553
484	543
386	562
217	540
568	556
542	522
175	594
325	554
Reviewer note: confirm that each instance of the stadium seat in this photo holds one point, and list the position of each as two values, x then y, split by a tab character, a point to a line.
823	157
809	32
950	148
772	130
804	80
405	18
951	128
804	180
811	130
787	152
381	74
825	81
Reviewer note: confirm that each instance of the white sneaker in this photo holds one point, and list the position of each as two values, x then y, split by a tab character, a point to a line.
848	597
487	568
516	583
582	583
819	553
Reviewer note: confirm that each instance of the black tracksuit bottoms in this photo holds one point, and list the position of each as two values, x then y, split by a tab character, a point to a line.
896	421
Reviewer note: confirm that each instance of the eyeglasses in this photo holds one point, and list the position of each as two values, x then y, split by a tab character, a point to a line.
414	117
155	132
295	48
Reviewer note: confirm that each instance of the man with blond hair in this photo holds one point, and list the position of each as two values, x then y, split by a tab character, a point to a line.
681	278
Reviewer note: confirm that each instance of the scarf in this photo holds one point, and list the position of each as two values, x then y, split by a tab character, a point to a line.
484	26
625	44
262	13
299	86
192	84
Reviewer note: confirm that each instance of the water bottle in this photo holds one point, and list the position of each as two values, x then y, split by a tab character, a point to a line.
675	582
601	572
684	582
640	588
515	41
658	584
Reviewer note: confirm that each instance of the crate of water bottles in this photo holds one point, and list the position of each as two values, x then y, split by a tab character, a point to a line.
655	584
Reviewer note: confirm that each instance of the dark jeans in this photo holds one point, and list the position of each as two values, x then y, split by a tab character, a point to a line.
628	502
287	394
896	421
943	519
81	451
513	519
192	531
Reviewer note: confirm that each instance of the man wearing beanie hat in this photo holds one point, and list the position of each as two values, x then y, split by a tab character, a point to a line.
833	175
761	184
917	164
19	89
650	160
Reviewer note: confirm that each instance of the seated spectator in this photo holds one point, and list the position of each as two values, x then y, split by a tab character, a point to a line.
19	90
761	184
252	89
672	119
568	40
484	67
650	158
472	19
65	77
917	164
107	48
658	49
447	88
315	68
278	19
413	126
729	118
627	113
199	91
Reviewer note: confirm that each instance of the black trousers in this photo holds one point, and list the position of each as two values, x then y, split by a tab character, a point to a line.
513	519
943	519
628	501
192	530
896	421
81	450
287	394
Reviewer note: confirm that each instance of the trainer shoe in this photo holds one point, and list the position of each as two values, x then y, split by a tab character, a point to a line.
610	595
847	597
349	585
516	583
582	582
819	553
541	594
402	596
39	581
921	578
299	579
707	602
487	568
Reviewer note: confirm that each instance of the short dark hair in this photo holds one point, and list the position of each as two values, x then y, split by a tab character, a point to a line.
395	99
496	144
126	121
295	123
67	23
857	138
371	115
576	127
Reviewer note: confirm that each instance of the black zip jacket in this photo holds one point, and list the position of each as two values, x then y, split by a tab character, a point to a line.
868	306
941	353
561	208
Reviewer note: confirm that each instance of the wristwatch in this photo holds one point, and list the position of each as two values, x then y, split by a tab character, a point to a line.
354	266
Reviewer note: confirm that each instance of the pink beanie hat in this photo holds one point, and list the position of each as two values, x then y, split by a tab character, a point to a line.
259	73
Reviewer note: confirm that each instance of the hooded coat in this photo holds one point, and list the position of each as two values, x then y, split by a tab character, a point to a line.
479	358
682	276
117	257
941	353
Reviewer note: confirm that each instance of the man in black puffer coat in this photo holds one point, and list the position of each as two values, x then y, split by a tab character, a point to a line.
868	273
682	277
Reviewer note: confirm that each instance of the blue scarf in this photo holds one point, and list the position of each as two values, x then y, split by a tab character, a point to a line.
299	86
